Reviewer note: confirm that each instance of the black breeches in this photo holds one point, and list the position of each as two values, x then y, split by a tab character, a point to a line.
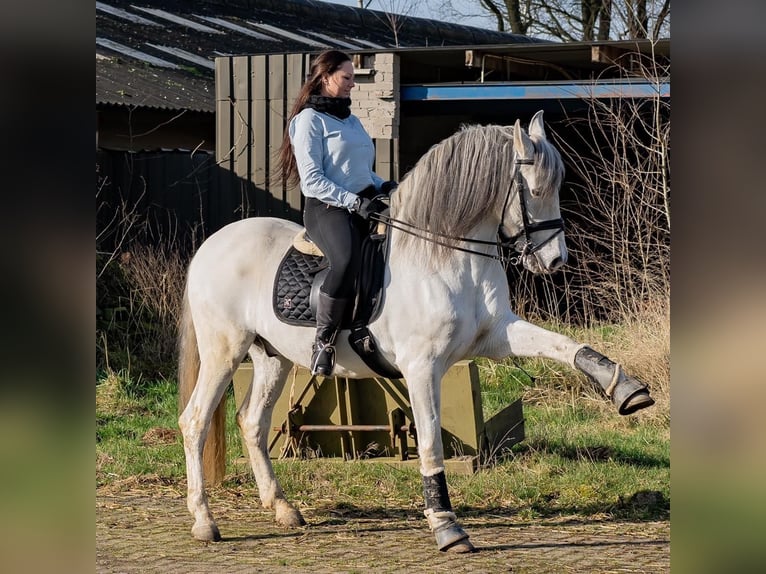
338	234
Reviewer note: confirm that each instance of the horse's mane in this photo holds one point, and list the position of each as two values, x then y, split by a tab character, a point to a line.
459	181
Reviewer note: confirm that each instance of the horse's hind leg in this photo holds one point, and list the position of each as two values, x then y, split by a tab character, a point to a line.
219	357
254	418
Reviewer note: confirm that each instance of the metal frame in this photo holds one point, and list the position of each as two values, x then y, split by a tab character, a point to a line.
347	419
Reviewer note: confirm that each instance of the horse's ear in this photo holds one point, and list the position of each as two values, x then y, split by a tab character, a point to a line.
536	127
521	142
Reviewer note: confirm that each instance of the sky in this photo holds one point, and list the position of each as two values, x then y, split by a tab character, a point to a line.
428	9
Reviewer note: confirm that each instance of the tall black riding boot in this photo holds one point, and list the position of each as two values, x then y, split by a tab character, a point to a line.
329	317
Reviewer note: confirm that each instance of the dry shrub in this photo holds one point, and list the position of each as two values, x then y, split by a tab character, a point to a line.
616	287
616	202
621	220
645	351
109	395
139	303
641	344
157	278
140	274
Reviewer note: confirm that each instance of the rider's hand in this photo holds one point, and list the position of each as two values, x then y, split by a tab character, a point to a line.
367	207
388	186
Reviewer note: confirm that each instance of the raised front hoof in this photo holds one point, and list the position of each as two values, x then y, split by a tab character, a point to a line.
637	401
454	539
630	395
206	532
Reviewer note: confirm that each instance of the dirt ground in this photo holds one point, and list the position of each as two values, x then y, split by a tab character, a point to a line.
143	529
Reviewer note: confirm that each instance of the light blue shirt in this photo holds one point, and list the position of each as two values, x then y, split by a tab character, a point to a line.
334	157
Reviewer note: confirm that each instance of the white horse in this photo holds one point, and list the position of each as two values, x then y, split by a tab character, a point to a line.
446	299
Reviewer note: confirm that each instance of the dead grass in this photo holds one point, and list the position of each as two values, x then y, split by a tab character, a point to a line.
139	300
110	395
160	435
641	343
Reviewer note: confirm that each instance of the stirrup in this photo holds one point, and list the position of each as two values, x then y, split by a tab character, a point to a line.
323	359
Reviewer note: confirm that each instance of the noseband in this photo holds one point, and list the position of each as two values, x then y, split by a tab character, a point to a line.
527	246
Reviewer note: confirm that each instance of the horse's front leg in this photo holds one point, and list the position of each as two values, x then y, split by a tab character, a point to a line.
523	339
424	390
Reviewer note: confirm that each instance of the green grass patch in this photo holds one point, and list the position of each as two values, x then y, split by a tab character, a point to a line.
579	457
136	429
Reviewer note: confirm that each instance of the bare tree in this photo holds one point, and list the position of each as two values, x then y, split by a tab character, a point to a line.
644	19
659	22
395	12
569	20
621	240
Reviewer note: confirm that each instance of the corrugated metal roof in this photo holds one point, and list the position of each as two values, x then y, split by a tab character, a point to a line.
133	83
155	52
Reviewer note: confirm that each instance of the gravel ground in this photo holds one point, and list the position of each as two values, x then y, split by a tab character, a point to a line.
140	529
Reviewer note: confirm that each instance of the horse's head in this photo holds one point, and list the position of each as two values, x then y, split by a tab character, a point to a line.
531	218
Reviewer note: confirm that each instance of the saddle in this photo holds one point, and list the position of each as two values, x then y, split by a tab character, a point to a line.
296	288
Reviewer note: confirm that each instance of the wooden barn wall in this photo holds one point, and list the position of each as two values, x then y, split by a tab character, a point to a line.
254	95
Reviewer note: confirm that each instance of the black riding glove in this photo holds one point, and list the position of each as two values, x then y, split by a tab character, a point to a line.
388	186
367	207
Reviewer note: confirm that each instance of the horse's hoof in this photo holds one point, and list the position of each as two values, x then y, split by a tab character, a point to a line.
630	394
206	532
291	520
452	538
460	547
637	401
288	516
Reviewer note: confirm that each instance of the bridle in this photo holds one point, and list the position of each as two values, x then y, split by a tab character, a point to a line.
527	247
522	248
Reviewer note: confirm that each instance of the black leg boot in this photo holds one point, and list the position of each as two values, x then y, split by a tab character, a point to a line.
627	393
329	317
441	520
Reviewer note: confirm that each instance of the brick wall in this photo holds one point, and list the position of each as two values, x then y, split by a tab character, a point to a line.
375	100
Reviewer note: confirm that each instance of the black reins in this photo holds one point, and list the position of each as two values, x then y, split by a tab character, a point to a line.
504	242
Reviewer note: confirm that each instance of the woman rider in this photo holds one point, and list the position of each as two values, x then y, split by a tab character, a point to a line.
328	150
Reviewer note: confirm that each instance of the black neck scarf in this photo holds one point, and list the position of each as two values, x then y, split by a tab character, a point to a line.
338	107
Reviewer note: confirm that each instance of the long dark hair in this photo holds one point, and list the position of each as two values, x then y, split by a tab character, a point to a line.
323	65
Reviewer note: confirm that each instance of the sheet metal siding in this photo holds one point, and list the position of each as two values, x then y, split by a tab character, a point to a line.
535	91
179	197
254	96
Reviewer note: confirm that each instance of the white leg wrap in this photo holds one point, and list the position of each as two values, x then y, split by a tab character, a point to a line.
440	518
